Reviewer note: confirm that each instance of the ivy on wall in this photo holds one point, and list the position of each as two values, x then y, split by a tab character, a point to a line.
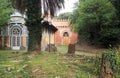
33	22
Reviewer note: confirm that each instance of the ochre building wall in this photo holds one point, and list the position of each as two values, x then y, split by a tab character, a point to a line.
63	27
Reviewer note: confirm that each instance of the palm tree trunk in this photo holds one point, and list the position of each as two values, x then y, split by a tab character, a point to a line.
33	22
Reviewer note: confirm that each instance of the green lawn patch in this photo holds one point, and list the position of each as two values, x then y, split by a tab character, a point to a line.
45	65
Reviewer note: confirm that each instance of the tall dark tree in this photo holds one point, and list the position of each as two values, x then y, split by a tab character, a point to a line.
116	3
97	22
33	9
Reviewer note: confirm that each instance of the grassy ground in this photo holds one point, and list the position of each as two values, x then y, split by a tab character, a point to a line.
46	65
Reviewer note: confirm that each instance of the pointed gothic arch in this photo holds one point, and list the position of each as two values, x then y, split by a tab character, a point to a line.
15	36
66	39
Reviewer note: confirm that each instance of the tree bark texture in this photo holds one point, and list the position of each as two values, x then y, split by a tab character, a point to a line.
71	48
33	22
105	70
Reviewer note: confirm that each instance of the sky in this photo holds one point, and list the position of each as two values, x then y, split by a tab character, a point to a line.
69	4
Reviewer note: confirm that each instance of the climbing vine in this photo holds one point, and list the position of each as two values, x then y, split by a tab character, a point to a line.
111	56
33	22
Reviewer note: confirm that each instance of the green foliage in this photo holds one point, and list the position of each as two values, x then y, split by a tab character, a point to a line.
116	3
97	23
74	19
33	22
5	11
97	62
118	59
64	15
114	58
46	64
111	56
117	54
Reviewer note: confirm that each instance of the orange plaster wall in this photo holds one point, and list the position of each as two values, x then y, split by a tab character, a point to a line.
57	38
63	26
24	41
7	41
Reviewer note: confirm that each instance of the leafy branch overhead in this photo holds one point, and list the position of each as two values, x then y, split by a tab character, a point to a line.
48	6
5	11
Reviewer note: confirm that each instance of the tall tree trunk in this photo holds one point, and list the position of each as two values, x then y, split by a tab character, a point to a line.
105	70
33	22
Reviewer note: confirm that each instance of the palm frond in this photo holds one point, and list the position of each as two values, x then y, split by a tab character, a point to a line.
48	6
52	6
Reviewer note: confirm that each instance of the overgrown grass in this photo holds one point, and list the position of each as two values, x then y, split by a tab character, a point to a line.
46	65
64	49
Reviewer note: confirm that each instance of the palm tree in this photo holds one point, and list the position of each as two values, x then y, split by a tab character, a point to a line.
34	10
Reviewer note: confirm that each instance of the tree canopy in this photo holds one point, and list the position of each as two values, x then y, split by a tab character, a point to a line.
116	3
5	11
74	19
64	15
97	22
